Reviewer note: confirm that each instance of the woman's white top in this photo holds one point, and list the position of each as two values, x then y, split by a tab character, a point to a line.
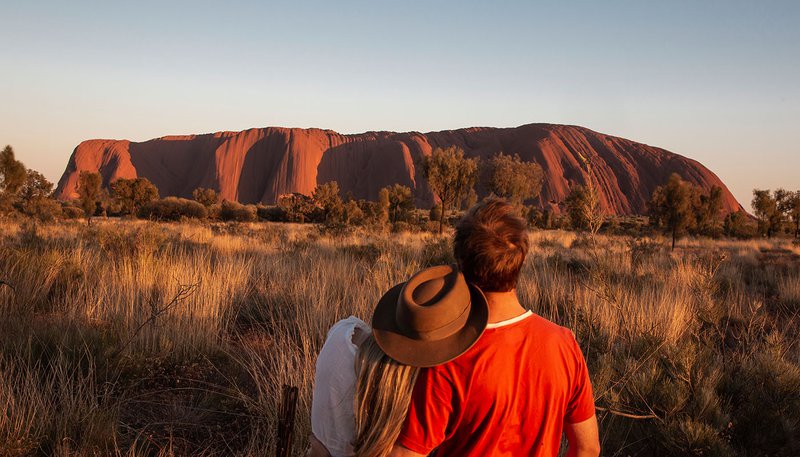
332	407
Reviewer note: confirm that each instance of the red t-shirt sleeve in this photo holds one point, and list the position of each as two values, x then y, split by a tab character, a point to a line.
430	412
581	402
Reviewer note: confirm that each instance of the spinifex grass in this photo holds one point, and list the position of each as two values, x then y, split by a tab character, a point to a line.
133	338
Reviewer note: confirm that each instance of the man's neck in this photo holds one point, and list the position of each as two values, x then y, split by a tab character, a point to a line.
503	306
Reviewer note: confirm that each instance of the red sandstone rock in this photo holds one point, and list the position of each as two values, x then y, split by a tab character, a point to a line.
257	165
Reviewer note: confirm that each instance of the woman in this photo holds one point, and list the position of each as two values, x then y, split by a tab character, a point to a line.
364	377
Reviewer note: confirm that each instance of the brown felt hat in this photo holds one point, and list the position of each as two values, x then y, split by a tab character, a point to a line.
430	319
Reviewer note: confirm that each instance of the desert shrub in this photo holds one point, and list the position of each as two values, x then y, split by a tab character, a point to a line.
43	209
643	250
236	212
582	242
353	214
435	213
437	251
172	209
739	225
214	211
368	253
143	239
205	197
71	212
403	226
29	235
297	207
763	390
271	213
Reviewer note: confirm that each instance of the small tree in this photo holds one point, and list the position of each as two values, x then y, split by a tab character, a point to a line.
132	194
583	204
671	206
296	207
708	211
327	198
12	177
401	202
450	176
766	207
382	208
89	193
790	206
511	178
739	225
36	186
205	197
353	214
12	172
34	200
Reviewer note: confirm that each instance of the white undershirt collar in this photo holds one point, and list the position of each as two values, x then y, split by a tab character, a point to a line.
513	320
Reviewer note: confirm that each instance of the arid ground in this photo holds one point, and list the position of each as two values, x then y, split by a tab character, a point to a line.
138	338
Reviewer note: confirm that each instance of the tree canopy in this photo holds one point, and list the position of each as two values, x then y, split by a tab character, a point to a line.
89	192
682	207
12	171
767	208
132	194
205	197
450	176
512	178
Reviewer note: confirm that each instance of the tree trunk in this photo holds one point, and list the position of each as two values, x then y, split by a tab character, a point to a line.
441	218
674	236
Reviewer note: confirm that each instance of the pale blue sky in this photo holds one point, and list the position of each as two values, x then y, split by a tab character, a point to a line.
715	81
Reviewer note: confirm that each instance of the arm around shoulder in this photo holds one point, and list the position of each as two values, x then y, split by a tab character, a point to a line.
583	438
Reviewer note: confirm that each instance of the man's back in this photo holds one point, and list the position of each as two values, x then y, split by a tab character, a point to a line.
509	395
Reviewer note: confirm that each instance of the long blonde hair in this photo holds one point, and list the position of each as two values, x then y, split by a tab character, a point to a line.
383	393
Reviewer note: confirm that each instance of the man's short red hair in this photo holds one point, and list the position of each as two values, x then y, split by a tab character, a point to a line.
490	245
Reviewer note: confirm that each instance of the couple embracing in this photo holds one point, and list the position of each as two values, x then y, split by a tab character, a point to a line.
454	365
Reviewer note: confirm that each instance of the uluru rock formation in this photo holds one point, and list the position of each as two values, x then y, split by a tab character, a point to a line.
258	165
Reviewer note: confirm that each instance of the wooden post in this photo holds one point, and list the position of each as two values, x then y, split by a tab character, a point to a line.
286	414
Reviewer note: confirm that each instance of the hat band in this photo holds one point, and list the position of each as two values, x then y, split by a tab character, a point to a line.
438	333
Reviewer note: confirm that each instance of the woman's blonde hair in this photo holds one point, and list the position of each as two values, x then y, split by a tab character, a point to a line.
383	393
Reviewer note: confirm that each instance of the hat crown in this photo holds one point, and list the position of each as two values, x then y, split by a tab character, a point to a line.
430	319
426	293
434	303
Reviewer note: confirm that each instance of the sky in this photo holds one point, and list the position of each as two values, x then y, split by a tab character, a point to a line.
715	81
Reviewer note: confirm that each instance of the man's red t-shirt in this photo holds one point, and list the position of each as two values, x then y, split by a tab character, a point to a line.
508	395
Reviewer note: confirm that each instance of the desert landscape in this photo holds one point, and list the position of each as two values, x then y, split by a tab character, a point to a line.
141	325
326	229
143	338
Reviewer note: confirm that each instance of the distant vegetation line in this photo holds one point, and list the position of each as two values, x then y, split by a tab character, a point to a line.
677	207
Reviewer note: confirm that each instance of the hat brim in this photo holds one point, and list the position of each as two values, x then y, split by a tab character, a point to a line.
420	353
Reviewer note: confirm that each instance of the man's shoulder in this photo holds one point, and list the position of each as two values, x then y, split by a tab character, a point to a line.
549	330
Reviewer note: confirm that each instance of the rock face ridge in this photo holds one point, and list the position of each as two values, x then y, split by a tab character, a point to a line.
258	165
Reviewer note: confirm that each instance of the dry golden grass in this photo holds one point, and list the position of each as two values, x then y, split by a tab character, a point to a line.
133	338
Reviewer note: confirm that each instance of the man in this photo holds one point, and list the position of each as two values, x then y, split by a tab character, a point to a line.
524	382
